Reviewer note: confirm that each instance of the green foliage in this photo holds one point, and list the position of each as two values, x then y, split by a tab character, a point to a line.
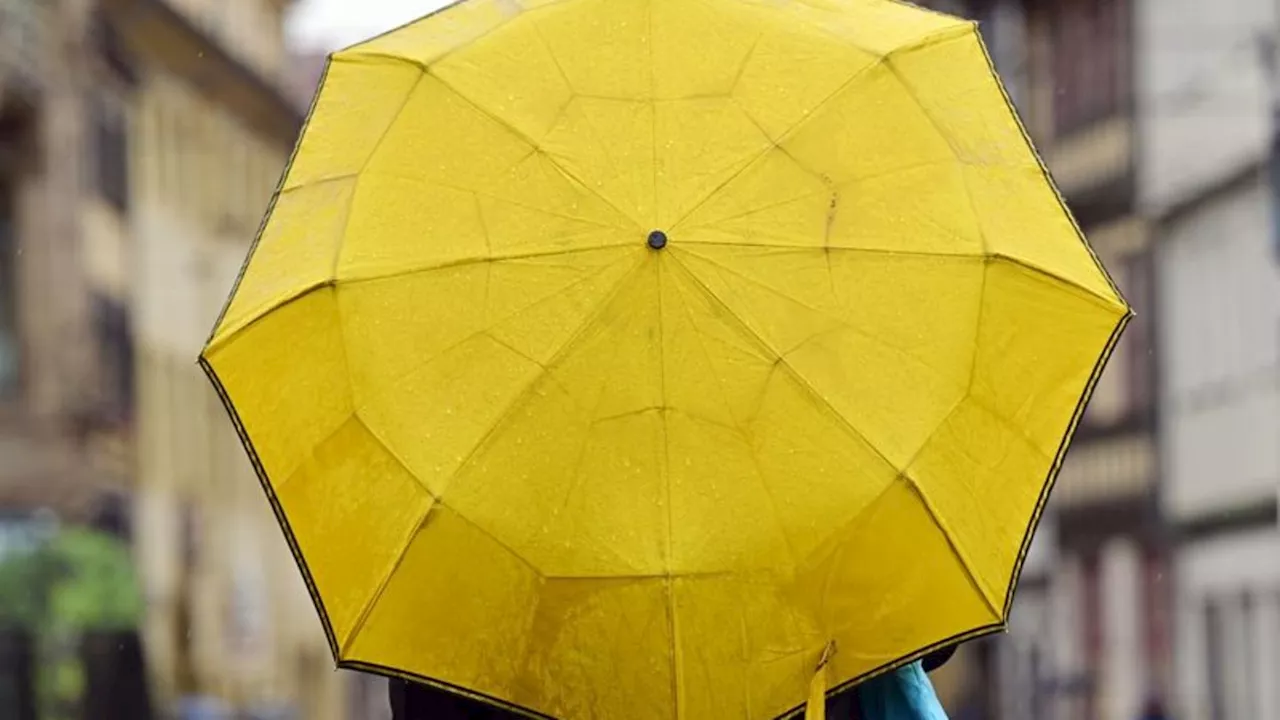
81	580
100	590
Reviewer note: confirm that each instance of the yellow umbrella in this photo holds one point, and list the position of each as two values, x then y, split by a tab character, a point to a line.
625	358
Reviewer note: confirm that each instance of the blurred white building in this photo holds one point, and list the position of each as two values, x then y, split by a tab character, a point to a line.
1089	636
1209	182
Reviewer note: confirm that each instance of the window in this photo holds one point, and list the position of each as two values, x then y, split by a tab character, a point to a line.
1274	171
111	151
1231	634
241	213
1215	652
1135	282
9	348
115	355
1090	56
147	152
111	47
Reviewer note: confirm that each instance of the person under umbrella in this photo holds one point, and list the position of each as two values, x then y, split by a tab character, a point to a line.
905	694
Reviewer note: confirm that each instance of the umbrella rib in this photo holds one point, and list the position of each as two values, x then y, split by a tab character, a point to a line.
826	190
544	369
690	245
259	315
841	323
575	476
662	391
487	331
413	89
782	362
755	459
917	489
937	37
954	545
466	262
532	144
460	188
1071	285
367	609
843	547
525	206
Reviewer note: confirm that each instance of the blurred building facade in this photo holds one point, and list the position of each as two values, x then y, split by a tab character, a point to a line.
1091	634
229	620
66	376
1210	183
140	141
1108	623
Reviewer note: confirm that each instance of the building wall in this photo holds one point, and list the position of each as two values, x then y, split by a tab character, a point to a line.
1220	311
1203	93
228	616
1229	628
249	29
1221	346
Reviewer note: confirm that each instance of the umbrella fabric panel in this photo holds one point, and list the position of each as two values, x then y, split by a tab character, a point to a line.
508	438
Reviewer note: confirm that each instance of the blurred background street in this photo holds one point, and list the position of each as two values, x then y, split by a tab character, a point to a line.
142	575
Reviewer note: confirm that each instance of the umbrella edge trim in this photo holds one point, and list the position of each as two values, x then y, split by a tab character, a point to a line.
397	674
276	508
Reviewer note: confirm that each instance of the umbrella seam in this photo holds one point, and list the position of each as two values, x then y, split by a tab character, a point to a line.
231	330
1044	169
1076	288
311	455
513	203
324	180
842	324
835	196
354	49
782	362
395	118
273	500
676	659
370	605
342	236
938	37
447	186
1080	289
688	247
827	188
843	547
512	257
487	331
545	369
960	555
271	204
973	33
1056	467
366	608
533	144
653	126
515	132
581	456
742	432
259	315
977	332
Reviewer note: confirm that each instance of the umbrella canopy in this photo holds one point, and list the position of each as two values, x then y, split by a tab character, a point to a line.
626	358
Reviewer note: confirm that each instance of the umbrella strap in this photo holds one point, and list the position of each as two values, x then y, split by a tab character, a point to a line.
816	707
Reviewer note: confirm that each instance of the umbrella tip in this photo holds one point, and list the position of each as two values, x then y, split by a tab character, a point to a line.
657	239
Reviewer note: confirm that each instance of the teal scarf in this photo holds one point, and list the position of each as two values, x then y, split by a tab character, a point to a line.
905	694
